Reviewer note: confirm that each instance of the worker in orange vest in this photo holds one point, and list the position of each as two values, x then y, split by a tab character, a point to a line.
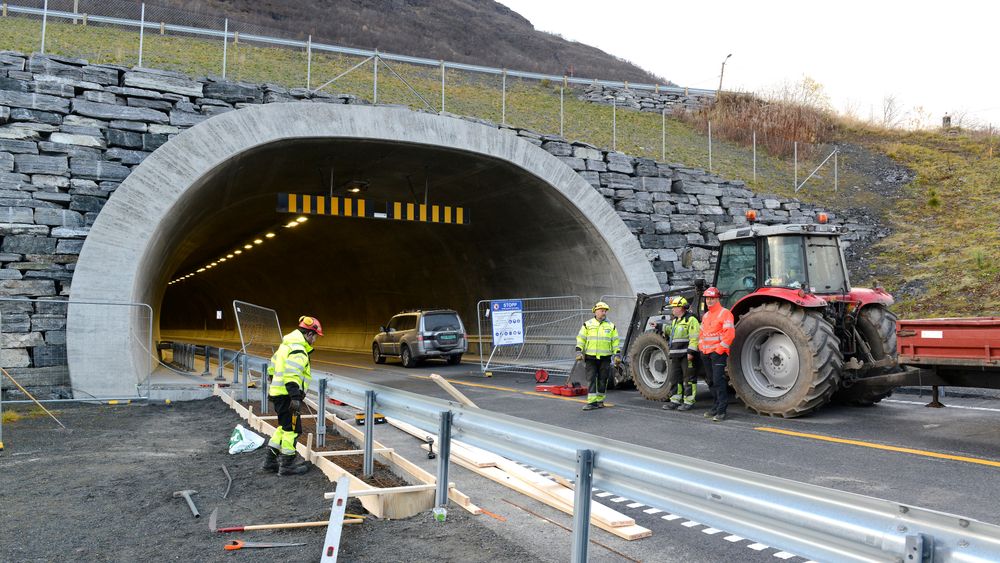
717	333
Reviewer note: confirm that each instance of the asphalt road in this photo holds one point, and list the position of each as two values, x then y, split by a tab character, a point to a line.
950	462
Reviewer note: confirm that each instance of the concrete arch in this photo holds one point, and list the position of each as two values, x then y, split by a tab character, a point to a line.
122	257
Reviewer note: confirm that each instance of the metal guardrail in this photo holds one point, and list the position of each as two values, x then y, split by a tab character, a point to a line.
224	34
808	520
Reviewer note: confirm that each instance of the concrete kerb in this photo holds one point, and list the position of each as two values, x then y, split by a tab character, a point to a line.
122	256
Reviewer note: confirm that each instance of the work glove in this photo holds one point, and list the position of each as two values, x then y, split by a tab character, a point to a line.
579	355
296	405
617	360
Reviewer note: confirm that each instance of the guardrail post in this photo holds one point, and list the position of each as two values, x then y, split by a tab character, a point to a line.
444	457
208	360
246	366
369	465
222	364
321	415
246	388
263	388
581	505
237	366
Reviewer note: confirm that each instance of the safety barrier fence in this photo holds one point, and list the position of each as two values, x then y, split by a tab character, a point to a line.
816	522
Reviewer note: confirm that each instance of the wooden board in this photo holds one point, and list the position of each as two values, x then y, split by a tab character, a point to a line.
479	456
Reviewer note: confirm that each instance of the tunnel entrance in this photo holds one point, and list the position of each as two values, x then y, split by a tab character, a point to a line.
534	228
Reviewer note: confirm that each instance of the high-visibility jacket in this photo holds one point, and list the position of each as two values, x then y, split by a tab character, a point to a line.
290	363
717	330
598	338
683	335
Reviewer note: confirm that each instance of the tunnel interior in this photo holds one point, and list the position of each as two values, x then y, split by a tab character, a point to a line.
523	239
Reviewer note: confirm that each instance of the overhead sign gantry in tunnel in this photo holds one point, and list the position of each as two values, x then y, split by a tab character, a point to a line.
169	236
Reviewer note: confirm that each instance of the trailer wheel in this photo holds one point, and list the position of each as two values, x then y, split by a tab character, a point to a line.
785	360
648	363
877	326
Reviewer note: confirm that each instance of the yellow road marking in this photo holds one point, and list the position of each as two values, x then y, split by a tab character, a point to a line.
510	390
344	365
924	453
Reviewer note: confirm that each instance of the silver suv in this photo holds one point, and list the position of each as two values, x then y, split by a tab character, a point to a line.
417	335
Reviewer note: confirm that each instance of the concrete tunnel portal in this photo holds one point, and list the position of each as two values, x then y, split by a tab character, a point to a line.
535	228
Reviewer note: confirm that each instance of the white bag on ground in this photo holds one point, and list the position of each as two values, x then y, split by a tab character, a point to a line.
243	440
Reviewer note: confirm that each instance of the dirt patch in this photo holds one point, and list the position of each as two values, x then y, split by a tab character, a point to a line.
102	491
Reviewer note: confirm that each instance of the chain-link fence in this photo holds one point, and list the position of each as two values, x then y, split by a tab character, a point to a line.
260	331
543	333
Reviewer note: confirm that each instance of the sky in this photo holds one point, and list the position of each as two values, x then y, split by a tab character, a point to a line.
931	57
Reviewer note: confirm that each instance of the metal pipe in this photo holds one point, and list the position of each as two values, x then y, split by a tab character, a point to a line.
836	170
614	123
562	112
219	371
246	388
225	45
208	360
795	157
142	28
442	86
663	135
45	17
755	157
309	62
375	78
709	147
444	457
321	414
369	461
581	505
503	98
237	365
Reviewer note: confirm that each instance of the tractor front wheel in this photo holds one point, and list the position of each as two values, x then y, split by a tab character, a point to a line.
649	366
785	360
877	328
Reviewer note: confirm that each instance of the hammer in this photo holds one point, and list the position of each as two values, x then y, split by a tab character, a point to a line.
187	496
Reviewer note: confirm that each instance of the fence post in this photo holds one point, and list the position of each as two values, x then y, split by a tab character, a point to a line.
614	123
369	463
237	365
76	10
663	134
45	17
321	415
442	86
142	31
503	98
208	360
836	170
709	147
562	111
755	157
795	157
309	62
375	78
581	505
218	373
263	387
444	457
225	45
246	387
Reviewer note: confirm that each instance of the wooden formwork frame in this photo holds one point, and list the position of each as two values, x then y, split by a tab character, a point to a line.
395	502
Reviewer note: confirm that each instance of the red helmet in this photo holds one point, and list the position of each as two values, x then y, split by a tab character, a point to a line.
311	323
712	292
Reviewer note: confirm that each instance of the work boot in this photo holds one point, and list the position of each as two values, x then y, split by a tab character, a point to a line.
710	413
270	460
719	417
684	407
669	406
290	465
592	406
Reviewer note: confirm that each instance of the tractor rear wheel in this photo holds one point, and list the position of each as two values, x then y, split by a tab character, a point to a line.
785	360
877	327
649	366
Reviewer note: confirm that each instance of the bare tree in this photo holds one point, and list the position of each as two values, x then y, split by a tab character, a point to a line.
891	111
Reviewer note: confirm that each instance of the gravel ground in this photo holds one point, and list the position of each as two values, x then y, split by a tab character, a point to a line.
102	491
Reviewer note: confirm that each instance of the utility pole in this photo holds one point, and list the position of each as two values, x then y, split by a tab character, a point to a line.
717	92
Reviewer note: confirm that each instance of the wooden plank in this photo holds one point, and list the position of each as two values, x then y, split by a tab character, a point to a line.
498	475
479	456
384	491
275	417
349	452
451	390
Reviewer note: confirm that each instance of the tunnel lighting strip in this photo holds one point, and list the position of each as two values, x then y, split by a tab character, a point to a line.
254	242
354	207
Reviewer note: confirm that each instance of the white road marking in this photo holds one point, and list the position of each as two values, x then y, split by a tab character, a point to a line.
690	524
757	546
733	538
784	555
635	505
652	511
618	499
603	495
711	531
670	517
949	406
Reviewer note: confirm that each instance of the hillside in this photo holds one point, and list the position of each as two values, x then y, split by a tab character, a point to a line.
480	32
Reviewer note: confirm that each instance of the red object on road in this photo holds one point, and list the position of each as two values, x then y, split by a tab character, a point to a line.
541	376
570	390
336	402
955	341
546	388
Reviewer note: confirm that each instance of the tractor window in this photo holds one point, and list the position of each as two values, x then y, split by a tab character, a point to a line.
826	265
737	271
784	262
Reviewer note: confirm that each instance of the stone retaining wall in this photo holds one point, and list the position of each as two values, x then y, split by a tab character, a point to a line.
644	100
70	132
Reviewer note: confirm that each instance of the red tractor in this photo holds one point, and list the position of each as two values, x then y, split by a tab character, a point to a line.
804	336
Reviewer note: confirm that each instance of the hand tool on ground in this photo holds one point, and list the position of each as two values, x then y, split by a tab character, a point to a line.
237	544
212	519
187	496
430	447
230	484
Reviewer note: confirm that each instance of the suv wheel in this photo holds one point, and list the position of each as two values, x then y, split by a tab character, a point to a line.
454	359
407	358
377	354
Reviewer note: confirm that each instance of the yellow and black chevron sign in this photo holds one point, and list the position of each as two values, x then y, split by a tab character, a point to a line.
306	204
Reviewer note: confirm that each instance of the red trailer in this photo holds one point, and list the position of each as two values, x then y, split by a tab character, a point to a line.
961	352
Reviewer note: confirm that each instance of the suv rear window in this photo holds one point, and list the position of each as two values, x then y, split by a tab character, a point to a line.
435	322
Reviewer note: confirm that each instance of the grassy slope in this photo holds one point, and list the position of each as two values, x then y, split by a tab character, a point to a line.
950	247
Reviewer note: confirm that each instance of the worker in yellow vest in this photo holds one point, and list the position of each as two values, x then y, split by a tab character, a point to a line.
597	346
290	375
682	334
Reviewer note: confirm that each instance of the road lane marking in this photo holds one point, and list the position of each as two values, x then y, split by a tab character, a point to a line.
757	546
783	555
924	453
670	517
635	505
733	538
652	511
508	389
691	524
342	365
711	531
